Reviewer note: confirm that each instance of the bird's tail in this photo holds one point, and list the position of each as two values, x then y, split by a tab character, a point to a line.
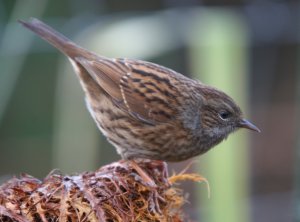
57	39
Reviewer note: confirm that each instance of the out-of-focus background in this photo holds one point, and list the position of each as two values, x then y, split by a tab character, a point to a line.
249	49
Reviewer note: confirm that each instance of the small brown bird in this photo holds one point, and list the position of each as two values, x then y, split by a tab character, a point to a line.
146	110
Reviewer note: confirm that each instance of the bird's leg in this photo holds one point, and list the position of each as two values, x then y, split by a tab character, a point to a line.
162	167
157	165
164	170
142	173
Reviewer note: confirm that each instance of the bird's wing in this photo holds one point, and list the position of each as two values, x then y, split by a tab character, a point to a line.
143	89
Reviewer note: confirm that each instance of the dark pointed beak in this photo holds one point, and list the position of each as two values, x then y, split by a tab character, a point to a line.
246	124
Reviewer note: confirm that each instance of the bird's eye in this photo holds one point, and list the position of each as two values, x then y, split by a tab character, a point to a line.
224	115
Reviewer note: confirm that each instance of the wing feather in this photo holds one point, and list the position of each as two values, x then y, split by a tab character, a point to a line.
145	92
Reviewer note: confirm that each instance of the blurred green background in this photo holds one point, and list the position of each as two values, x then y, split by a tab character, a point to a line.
249	49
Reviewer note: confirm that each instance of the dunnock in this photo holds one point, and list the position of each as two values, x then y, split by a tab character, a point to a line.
146	110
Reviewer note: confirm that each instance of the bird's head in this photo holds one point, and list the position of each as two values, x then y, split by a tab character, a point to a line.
220	115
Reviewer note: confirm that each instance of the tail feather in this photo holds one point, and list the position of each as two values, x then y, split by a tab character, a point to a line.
57	39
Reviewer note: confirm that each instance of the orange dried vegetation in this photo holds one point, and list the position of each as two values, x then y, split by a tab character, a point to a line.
115	192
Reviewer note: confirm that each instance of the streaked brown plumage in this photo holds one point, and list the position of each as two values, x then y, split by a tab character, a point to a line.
146	110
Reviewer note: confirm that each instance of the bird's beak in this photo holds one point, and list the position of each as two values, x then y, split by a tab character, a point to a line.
246	124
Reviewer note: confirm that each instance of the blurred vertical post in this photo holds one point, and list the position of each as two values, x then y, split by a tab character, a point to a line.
297	146
13	52
219	58
76	141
